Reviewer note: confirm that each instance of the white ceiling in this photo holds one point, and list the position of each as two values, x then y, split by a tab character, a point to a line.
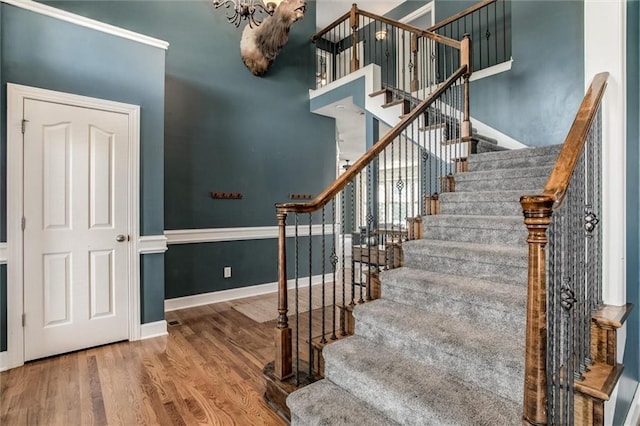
328	10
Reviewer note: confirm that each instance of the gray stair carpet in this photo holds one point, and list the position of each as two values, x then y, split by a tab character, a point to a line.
445	344
506	230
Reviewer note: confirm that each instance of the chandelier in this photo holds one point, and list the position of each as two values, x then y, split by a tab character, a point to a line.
246	10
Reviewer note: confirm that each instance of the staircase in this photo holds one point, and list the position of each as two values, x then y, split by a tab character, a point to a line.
445	344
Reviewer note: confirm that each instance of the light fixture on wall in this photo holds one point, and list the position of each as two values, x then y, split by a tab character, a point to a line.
246	10
381	35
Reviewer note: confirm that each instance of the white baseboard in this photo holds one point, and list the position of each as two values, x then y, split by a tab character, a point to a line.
633	417
3	361
153	329
236	293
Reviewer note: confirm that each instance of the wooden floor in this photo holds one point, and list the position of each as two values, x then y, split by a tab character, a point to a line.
207	371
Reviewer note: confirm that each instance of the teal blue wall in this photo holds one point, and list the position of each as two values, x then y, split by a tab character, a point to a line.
227	130
631	357
43	52
535	102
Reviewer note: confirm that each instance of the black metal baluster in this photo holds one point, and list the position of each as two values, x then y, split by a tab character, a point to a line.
324	259
352	229
487	34
363	236
310	372
334	262
495	31
370	233
297	308
343	225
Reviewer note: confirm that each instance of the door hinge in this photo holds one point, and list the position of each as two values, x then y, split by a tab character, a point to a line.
24	125
23	223
24	319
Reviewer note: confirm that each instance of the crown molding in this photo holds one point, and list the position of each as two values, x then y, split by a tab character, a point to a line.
82	21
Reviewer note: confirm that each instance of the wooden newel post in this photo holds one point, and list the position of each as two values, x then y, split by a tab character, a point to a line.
537	211
354	19
465	59
283	361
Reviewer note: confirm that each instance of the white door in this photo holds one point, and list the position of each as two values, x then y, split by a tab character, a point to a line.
75	234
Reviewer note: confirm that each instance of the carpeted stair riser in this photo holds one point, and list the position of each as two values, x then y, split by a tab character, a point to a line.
324	403
501	264
507	230
484	146
529	179
496	203
501	307
514	159
469	351
410	393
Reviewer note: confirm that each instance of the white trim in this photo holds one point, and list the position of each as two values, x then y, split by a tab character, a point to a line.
82	21
492	70
16	94
371	73
153	329
237	293
216	235
152	244
3	253
633	417
4	361
605	35
429	7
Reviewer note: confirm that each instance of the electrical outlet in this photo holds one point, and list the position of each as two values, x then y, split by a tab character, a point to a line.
227	271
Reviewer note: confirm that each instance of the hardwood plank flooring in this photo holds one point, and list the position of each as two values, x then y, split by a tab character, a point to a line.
207	371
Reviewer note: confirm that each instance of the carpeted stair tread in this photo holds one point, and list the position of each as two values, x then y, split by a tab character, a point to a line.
514	159
410	393
468	350
505	230
534	151
526	179
500	263
500	306
324	404
484	203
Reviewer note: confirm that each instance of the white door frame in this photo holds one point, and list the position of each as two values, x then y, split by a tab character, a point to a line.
16	95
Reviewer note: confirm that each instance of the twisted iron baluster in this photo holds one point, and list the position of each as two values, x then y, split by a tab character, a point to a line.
323	339
370	219
334	262
363	233
353	272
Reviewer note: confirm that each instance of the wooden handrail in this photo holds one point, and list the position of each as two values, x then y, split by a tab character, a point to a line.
558	182
414	30
342	181
461	14
331	26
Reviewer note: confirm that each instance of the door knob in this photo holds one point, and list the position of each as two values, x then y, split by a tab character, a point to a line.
120	238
